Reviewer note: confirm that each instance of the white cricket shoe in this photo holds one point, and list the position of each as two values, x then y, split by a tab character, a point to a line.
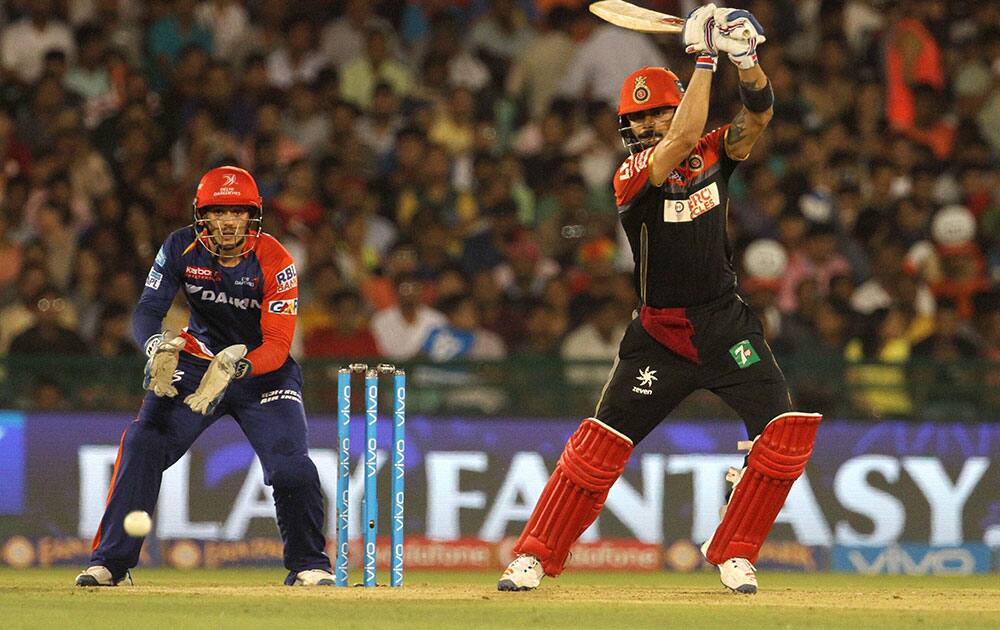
101	576
736	574
313	577
523	574
739	575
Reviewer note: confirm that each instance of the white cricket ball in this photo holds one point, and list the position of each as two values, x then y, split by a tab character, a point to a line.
138	524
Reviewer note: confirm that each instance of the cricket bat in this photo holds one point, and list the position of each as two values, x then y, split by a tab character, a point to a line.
627	15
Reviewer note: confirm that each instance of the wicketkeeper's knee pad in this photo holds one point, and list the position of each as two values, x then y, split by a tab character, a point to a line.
777	458
590	464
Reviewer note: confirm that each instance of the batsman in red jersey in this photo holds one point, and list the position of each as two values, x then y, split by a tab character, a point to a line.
692	330
232	359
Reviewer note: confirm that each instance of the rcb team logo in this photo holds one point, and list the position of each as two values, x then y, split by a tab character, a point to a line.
640	93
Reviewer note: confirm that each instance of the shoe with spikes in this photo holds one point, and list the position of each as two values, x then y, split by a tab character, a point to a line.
101	576
525	573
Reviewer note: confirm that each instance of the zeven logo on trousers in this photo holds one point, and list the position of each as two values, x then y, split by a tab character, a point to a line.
744	354
645	378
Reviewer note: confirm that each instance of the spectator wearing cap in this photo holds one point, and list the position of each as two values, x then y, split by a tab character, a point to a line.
961	271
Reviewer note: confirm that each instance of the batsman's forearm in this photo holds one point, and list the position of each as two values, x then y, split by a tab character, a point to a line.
754	78
685	129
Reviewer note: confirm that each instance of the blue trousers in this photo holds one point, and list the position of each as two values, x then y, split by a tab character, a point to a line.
164	430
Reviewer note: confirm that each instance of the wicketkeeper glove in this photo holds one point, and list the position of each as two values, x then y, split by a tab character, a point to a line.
738	33
163	351
227	365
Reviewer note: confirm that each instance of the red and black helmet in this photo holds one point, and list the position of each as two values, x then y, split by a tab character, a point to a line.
646	88
228	186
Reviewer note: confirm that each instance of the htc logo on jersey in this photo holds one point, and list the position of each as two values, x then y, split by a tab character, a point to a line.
220	297
700	202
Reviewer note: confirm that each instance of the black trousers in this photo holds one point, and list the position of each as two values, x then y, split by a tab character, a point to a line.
733	361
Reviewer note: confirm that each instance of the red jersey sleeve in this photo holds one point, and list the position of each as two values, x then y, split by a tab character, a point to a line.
632	177
712	145
279	307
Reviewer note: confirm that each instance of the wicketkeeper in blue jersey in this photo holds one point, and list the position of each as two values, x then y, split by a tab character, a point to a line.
231	360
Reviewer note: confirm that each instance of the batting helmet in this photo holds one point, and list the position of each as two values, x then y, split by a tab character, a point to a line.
228	186
646	88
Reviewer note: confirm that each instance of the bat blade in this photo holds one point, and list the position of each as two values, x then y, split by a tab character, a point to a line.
627	15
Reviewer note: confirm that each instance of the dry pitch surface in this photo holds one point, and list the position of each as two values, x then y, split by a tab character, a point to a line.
45	598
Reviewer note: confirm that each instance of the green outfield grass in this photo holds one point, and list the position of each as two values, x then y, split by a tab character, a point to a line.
46	598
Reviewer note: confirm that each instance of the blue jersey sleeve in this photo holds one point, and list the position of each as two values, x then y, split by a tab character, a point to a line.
162	283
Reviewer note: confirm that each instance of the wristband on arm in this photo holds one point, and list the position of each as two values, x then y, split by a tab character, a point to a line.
757	101
706	61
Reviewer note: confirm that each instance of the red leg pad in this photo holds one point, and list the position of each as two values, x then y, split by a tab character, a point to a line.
776	460
590	464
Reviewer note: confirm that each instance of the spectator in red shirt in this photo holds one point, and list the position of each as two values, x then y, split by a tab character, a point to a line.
348	336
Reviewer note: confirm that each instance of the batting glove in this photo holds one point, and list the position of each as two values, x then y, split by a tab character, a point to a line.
698	33
163	351
738	33
227	365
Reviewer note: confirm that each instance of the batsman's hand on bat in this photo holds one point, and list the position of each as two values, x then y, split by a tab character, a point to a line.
738	33
698	33
163	351
227	365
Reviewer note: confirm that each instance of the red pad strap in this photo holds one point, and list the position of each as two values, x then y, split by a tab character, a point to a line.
776	460
590	464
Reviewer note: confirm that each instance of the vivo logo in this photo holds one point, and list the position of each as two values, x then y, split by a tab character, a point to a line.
909	559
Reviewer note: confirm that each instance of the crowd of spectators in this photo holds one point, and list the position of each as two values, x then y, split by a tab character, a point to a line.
441	170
